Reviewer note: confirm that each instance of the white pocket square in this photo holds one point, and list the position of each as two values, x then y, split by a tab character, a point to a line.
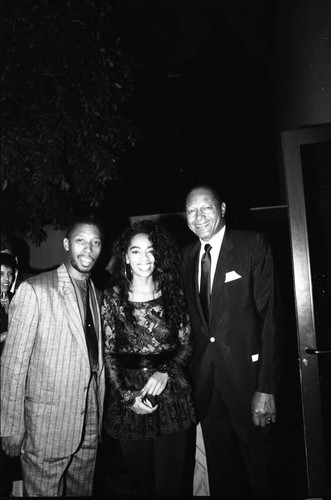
232	275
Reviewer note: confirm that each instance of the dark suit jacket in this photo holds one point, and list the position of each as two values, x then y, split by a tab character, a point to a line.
239	350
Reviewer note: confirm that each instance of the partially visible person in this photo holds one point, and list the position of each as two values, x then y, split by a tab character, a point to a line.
231	290
148	349
52	372
9	466
7	247
13	246
8	271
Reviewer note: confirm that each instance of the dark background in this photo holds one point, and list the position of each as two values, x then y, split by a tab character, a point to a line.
203	103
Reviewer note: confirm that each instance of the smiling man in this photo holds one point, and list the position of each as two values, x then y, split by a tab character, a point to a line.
52	372
230	288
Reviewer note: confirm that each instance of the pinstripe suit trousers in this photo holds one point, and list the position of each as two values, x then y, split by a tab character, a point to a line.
70	476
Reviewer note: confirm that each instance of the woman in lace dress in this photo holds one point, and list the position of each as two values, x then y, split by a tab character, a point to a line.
148	348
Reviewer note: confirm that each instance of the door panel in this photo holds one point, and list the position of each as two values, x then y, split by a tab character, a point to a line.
307	165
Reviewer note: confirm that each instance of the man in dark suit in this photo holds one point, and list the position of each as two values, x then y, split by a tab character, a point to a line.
236	365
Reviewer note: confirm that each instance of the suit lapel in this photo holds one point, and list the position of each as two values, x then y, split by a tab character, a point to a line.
224	263
71	309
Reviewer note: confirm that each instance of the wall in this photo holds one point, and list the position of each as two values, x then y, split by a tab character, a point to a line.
301	69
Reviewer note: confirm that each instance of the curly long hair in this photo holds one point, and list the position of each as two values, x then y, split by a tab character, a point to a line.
167	272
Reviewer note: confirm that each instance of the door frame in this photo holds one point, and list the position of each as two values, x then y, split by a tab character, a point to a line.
292	140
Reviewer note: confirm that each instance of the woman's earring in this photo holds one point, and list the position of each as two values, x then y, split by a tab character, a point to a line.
128	272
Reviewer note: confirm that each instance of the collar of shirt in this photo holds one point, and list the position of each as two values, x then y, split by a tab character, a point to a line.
216	243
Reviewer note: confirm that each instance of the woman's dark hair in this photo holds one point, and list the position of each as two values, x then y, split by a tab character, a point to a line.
8	260
167	272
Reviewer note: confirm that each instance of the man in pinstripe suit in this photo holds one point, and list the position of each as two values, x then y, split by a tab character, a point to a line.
52	384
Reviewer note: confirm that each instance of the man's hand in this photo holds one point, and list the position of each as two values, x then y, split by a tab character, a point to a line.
3	336
263	409
11	445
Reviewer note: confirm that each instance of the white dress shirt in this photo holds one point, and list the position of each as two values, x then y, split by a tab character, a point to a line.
216	243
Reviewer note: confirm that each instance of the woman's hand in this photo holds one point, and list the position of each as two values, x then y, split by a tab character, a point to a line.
141	408
155	384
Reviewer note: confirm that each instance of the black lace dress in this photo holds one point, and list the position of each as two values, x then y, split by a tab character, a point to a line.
150	336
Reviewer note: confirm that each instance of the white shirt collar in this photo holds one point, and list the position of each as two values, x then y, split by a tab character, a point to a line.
215	241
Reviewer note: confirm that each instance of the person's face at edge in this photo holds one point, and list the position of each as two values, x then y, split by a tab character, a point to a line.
7	278
83	247
204	216
140	256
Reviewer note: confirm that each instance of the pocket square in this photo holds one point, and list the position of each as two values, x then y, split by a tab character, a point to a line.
232	275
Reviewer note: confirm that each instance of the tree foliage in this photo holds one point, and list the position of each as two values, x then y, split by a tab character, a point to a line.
66	80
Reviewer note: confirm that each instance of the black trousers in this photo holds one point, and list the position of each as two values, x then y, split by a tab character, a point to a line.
238	453
10	471
161	466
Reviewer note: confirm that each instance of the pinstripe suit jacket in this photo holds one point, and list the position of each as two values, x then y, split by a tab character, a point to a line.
45	366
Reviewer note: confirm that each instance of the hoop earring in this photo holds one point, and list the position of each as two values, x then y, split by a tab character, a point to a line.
128	272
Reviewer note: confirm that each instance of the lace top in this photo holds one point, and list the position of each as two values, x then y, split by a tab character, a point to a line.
150	335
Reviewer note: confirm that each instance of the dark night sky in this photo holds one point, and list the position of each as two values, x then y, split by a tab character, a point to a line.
202	101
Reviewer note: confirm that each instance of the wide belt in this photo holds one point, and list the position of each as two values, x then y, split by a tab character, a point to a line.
135	361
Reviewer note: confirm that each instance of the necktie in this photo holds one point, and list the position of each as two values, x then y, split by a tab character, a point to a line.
90	335
205	281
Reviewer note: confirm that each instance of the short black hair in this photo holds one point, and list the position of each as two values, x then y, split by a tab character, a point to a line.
8	260
90	219
218	197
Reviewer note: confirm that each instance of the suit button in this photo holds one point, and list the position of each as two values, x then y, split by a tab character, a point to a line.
212	339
